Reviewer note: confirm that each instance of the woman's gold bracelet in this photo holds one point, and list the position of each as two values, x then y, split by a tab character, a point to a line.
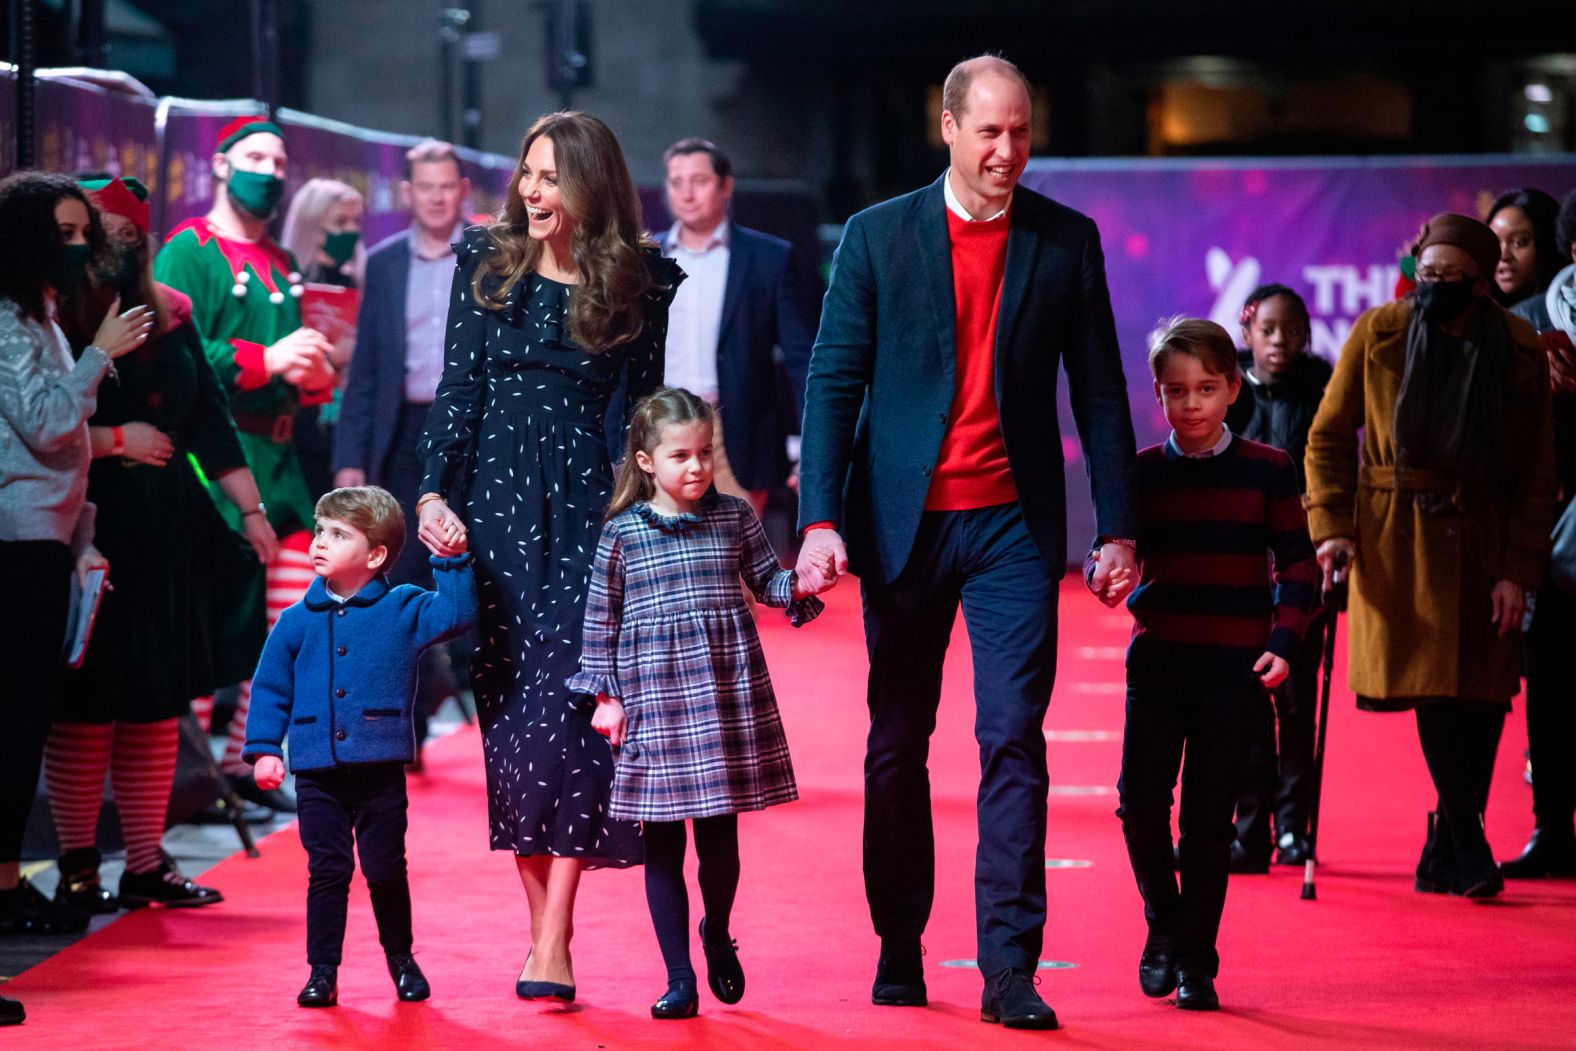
427	498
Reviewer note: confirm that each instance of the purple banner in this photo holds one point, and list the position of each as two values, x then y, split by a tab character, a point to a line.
83	127
1195	237
188	132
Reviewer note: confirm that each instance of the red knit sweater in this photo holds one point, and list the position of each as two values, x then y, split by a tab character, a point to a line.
972	469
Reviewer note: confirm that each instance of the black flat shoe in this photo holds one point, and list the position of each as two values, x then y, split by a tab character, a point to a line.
900	975
1196	991
322	988
410	984
11	1012
1157	973
79	886
1544	855
1011	1000
724	973
680	1001
25	910
164	886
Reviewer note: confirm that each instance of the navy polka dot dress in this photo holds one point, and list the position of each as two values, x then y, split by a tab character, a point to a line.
515	442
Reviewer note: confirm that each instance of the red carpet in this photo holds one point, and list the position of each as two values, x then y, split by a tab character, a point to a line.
1370	964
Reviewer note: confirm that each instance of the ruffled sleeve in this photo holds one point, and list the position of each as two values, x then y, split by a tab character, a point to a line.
598	675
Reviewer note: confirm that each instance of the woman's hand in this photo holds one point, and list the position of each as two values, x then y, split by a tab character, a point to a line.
90	559
146	444
122	333
269	772
608	719
441	529
1336	556
1272	669
1510	605
260	534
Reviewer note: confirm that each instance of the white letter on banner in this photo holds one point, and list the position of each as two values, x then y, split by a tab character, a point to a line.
1328	337
1376	290
1323	279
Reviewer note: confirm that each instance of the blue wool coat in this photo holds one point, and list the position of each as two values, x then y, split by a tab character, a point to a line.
340	679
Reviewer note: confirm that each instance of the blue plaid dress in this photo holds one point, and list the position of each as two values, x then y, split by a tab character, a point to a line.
668	632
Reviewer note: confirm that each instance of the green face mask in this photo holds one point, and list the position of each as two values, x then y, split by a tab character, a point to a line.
71	269
341	246
255	192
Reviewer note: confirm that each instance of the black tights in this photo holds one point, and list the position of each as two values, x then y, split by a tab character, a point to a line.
717	850
1460	739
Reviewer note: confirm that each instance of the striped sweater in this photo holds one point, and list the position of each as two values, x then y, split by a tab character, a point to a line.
1226	569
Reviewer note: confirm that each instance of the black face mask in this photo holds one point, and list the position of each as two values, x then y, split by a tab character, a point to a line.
1441	301
71	267
126	274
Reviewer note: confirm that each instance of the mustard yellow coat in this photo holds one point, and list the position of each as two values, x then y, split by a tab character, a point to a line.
1420	613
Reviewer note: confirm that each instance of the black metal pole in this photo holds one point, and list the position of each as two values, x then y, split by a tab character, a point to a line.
91	49
265	52
471	80
23	41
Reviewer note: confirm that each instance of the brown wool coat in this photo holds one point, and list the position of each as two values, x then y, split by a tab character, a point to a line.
1420	614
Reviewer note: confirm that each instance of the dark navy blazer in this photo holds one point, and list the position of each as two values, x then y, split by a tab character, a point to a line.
763	306
339	679
369	411
881	377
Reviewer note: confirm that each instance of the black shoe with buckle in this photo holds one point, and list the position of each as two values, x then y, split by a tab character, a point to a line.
724	973
322	988
1011	1000
410	984
164	886
680	1001
900	975
1157	972
1196	991
79	886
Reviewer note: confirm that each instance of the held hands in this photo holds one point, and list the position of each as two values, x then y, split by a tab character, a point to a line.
1114	574
146	444
260	534
1272	669
90	559
608	719
120	333
822	559
270	772
826	563
302	358
441	529
1510	604
1336	557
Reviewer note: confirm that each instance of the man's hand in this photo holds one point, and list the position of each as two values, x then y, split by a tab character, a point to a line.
302	357
822	559
1272	669
346	477
1510	604
269	772
608	719
1115	574
1336	557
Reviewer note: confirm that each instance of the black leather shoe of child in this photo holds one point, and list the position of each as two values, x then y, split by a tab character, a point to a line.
724	973
1196	991
322	988
680	1001
1157	972
410	984
900	975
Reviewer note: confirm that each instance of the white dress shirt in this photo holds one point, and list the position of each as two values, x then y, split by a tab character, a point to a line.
426	317
955	206
695	318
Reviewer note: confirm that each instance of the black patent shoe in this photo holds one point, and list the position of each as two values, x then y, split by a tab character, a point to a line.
1544	855
1196	991
164	886
410	984
273	798
900	975
1011	1000
322	988
25	910
11	1012
1157	972
680	1001
724	973
79	886
533	990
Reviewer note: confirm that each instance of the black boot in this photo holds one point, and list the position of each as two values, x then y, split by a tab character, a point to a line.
322	988
79	885
900	975
409	983
1436	869
1546	854
1480	875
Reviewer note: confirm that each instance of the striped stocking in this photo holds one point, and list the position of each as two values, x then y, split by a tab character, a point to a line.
288	577
75	759
142	771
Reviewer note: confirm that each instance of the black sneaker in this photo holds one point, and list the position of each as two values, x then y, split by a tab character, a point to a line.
164	886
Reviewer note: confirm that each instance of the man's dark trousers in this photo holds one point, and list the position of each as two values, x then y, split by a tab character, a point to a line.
1212	718
986	560
366	805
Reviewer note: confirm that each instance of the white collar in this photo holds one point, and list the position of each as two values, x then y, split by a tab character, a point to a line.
1214	450
720	238
956	207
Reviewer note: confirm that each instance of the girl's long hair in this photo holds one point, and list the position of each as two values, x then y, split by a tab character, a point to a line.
671	405
30	245
306	223
593	180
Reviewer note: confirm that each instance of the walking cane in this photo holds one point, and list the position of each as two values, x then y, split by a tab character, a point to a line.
1335	602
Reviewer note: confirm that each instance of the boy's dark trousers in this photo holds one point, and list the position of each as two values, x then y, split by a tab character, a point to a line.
1211	718
1277	773
364	804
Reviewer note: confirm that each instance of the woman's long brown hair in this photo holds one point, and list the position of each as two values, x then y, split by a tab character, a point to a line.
663	408
593	180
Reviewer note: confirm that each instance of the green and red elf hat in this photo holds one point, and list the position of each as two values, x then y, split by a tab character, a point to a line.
241	127
123	195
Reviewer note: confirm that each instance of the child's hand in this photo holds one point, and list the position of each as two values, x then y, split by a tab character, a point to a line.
1272	669
1117	584
608	719
270	772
